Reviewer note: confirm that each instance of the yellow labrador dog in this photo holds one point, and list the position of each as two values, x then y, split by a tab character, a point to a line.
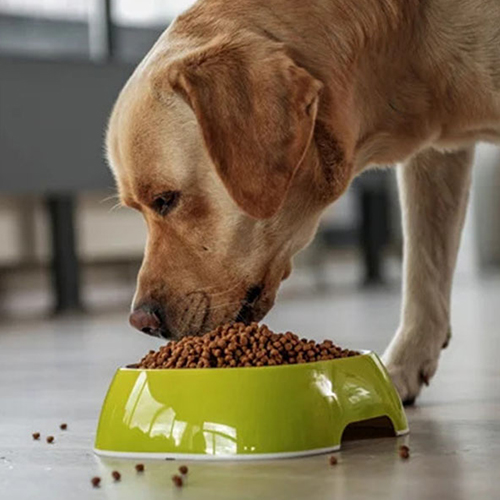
248	118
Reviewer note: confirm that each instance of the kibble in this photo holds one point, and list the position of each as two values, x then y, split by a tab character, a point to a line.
177	480
239	345
63	427
333	460
116	475
139	467
50	439
183	469
404	452
96	481
36	436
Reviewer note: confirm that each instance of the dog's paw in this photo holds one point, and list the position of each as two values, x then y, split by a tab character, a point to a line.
410	374
409	382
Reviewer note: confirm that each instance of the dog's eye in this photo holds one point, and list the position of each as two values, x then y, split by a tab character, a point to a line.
165	202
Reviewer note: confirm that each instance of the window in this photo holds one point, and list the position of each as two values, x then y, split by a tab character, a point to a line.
125	12
151	12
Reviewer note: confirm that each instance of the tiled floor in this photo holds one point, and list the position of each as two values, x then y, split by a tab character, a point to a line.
58	371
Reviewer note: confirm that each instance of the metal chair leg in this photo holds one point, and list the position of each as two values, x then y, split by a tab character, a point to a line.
65	267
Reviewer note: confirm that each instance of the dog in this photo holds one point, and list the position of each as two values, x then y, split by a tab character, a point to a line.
248	118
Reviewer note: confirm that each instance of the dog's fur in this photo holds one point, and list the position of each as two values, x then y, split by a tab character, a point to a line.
260	113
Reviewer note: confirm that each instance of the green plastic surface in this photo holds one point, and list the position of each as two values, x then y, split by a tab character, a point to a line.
244	412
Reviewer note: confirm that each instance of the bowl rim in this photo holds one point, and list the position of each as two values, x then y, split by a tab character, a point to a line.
362	353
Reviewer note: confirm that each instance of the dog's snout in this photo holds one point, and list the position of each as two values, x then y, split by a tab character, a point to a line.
147	320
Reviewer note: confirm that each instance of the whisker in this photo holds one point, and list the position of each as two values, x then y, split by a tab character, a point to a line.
183	327
211	287
227	304
186	318
116	206
114	196
192	312
229	290
233	285
185	321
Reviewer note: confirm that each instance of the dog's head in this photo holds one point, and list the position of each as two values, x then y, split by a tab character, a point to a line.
221	151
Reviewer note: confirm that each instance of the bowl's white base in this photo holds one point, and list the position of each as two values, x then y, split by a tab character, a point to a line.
199	456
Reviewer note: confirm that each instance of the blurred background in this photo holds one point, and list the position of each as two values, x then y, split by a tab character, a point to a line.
63	245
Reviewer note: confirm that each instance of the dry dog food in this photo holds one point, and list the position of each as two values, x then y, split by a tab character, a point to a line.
239	345
183	469
63	427
116	475
96	481
50	439
139	467
333	460
404	452
36	436
177	480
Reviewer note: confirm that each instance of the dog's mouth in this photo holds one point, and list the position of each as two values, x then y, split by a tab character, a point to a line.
247	310
195	317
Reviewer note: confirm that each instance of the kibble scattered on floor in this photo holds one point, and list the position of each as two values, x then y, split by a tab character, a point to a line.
404	452
116	475
178	481
239	345
139	467
333	460
50	439
63	427
96	481
183	469
36	436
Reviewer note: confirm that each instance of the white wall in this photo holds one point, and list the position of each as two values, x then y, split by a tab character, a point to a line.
486	204
104	233
128	12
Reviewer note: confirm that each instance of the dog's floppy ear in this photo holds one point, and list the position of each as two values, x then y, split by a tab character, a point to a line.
256	110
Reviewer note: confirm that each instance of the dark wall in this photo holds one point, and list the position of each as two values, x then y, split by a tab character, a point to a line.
52	122
31	37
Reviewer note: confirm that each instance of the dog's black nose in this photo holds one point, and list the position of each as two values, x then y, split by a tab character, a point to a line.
147	320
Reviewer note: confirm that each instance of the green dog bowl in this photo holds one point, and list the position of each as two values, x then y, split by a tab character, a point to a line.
244	413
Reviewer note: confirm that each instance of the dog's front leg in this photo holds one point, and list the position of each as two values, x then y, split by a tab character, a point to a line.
434	190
